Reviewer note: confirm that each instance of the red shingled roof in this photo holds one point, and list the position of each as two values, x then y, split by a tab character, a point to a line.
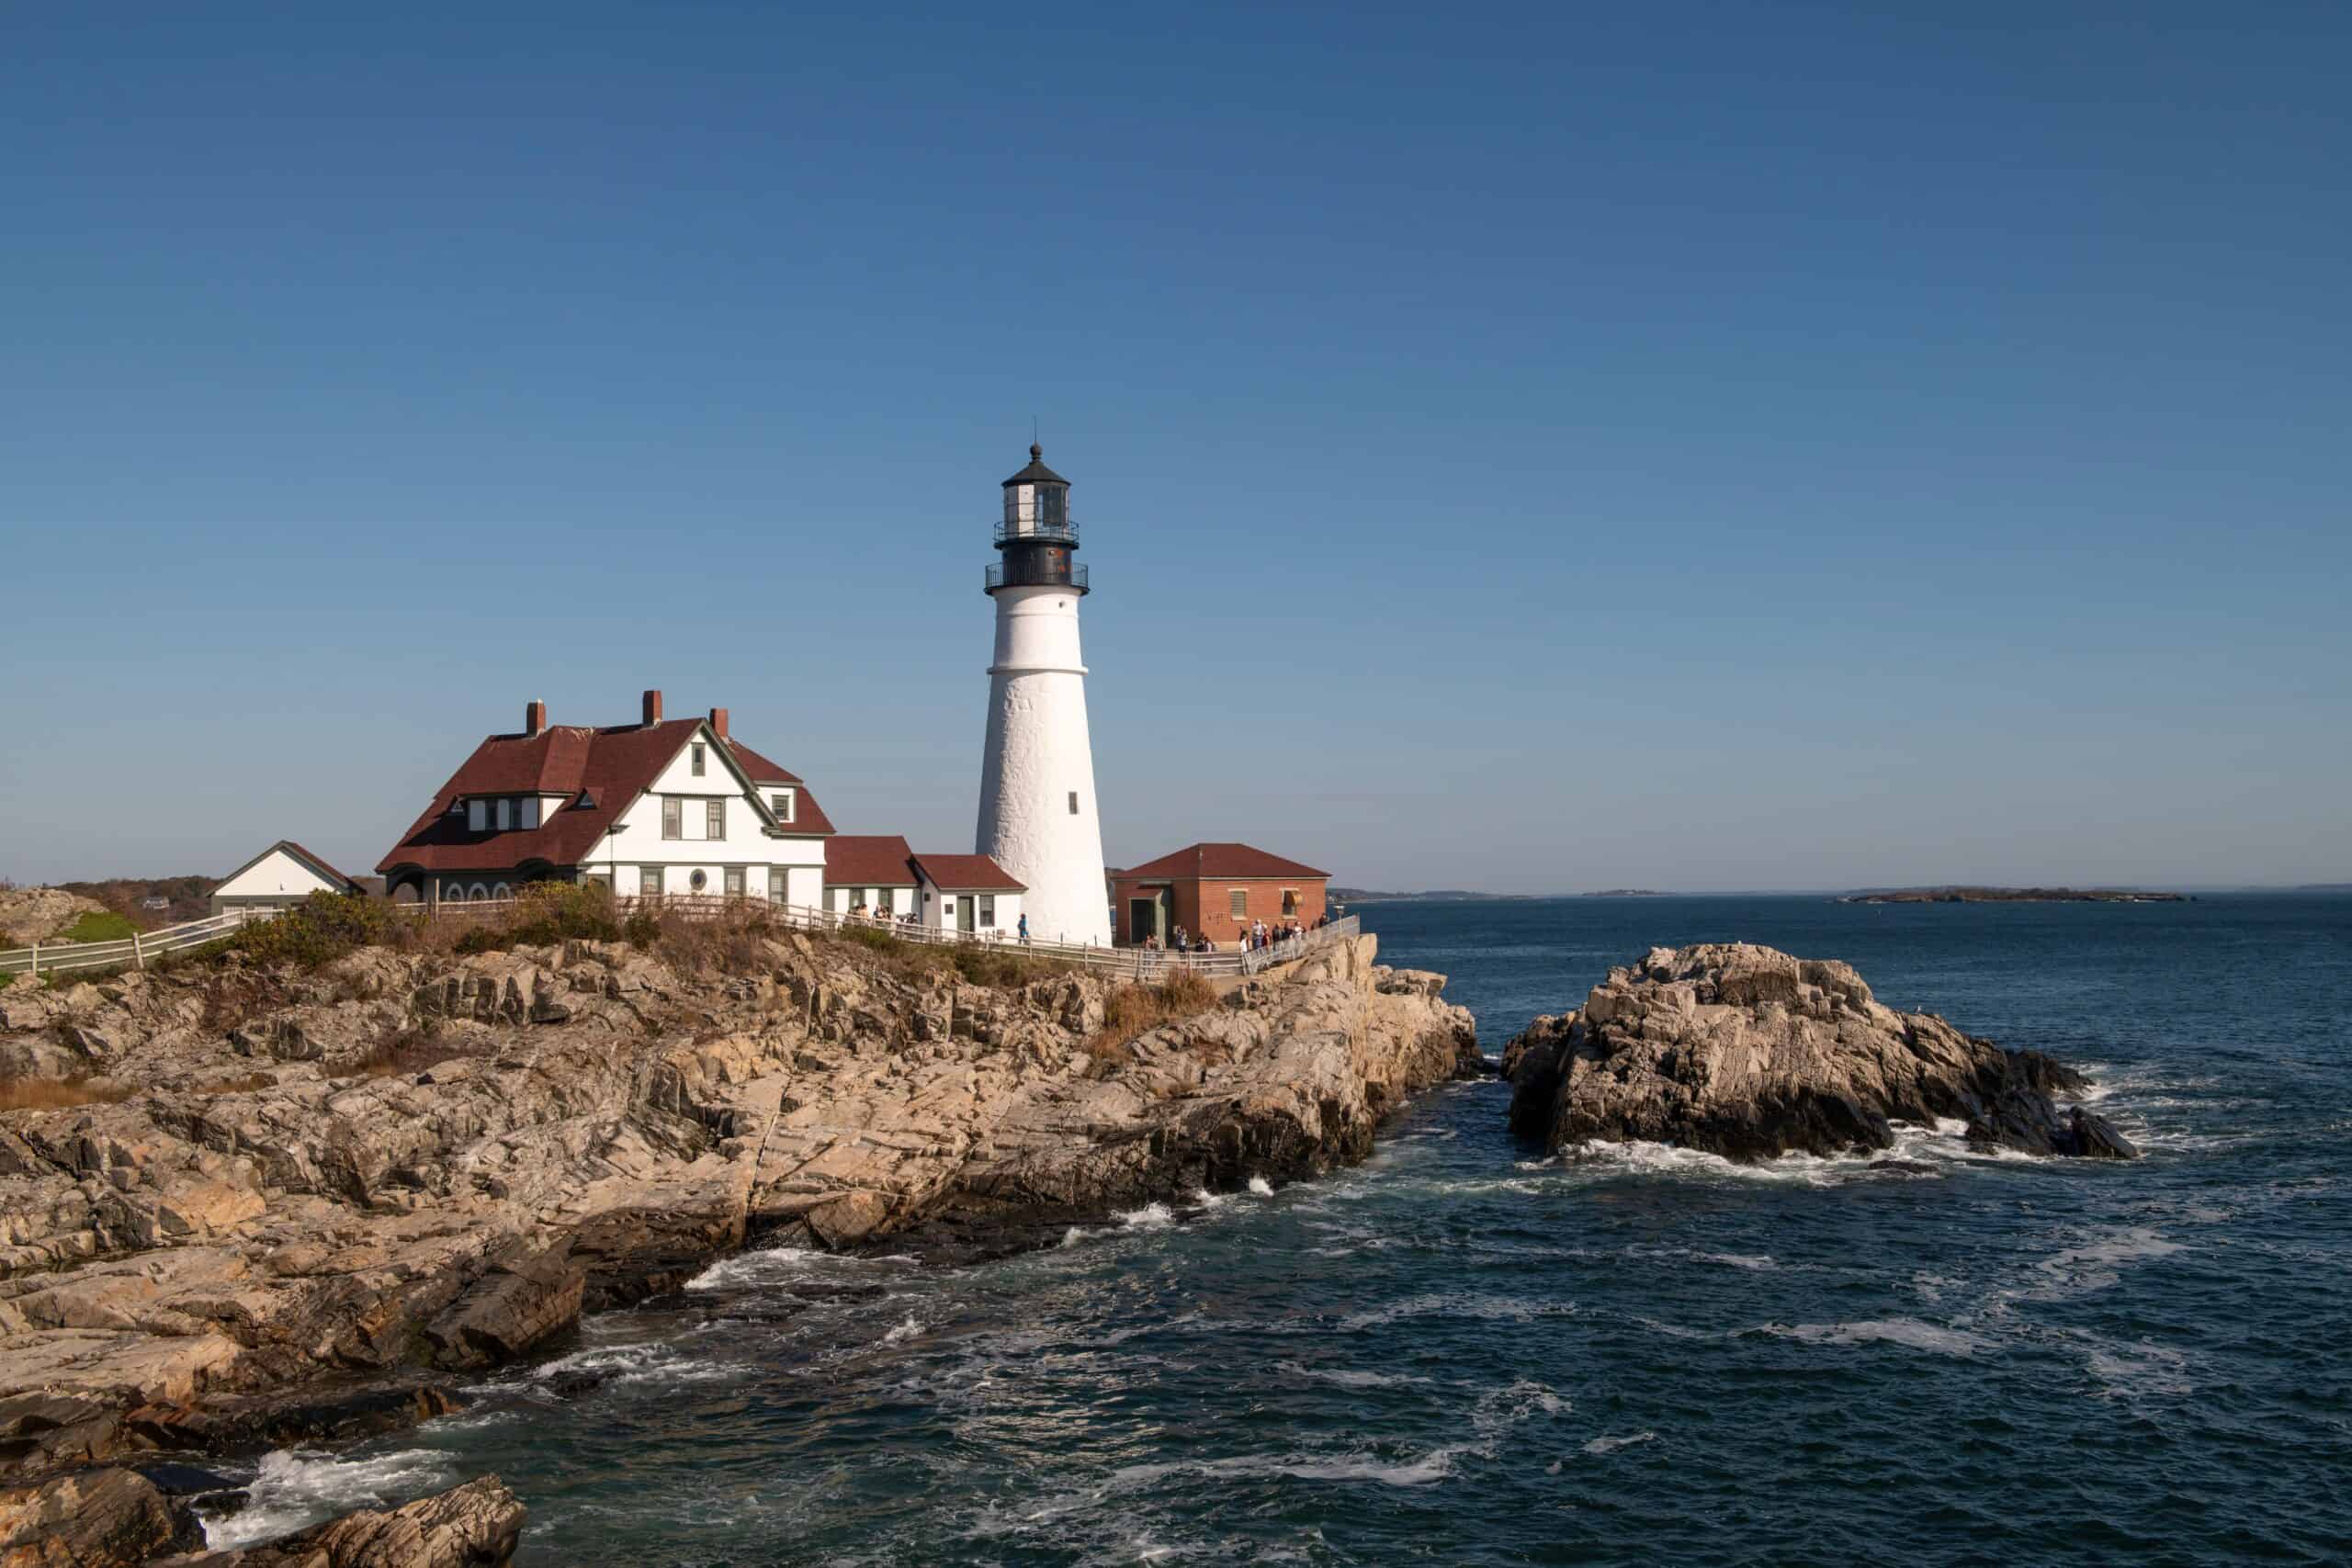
868	860
967	874
1214	861
603	771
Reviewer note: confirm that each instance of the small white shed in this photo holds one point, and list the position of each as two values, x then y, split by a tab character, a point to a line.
283	874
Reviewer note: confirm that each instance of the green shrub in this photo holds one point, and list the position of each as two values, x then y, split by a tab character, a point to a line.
643	929
321	929
546	913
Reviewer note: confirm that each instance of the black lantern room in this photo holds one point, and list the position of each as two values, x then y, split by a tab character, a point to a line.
1036	536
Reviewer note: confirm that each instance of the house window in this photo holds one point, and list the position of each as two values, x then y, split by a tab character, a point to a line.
526	811
1290	900
988	910
505	814
1073	803
480	893
697	759
672	817
733	880
453	893
782	801
502	891
649	881
714	820
697	880
477	815
882	901
1238	903
778	885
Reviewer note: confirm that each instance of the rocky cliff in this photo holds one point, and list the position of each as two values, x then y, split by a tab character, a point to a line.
1748	1053
322	1199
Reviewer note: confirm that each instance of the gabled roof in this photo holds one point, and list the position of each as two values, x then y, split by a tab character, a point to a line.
316	863
868	860
967	874
1220	859
602	770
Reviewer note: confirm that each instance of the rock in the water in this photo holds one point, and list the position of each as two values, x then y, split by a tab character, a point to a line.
473	1526
1749	1052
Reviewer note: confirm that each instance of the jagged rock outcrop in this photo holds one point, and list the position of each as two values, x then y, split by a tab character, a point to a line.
473	1526
96	1518
1748	1053
332	1196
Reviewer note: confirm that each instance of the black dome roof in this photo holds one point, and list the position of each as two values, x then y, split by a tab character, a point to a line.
1036	473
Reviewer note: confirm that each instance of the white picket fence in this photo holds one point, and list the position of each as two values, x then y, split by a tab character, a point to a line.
1140	963
1134	962
132	951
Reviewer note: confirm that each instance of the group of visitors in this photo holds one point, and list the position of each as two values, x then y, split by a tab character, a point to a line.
1179	941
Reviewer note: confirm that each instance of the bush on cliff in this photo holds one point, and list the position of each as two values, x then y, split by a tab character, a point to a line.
545	913
1133	1011
323	928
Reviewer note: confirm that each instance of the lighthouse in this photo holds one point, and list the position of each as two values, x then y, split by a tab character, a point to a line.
1037	817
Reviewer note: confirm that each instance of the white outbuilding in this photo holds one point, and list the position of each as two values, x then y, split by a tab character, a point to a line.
283	874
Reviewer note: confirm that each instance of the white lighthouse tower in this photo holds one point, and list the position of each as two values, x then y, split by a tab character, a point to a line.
1037	778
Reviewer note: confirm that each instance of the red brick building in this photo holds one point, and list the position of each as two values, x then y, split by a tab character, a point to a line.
1214	891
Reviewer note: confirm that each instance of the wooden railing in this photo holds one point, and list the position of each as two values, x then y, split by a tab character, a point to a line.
132	951
1136	962
1142	963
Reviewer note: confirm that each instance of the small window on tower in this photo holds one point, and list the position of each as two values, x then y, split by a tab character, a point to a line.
1073	803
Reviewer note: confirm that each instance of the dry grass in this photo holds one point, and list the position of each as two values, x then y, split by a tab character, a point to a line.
415	1051
242	1084
1133	1011
57	1094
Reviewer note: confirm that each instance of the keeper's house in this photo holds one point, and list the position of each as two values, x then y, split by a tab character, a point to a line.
1214	891
660	806
879	876
283	874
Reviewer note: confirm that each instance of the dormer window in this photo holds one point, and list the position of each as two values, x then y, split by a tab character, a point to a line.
699	749
477	816
782	801
505	814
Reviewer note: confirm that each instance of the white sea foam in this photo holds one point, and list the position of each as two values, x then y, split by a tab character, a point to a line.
2100	1261
1208	1200
1350	1377
1424	1471
906	1330
1611	1445
1909	1332
1151	1216
298	1487
1261	1186
1075	1235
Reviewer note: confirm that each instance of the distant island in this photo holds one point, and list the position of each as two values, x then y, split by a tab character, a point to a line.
1427	895
2012	895
1625	893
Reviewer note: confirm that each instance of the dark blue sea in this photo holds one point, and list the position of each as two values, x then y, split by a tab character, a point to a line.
1462	1352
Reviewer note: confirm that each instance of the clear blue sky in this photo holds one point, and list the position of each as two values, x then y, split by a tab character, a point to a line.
1532	447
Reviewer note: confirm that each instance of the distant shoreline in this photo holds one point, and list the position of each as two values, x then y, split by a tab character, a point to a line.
2013	896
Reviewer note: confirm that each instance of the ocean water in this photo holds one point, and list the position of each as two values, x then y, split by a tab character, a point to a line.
1462	1352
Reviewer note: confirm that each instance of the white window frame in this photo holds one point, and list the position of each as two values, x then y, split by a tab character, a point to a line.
713	818
779	884
782	802
731	881
674	817
649	881
987	911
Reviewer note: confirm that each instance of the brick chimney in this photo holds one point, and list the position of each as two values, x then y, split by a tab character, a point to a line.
718	722
652	707
535	717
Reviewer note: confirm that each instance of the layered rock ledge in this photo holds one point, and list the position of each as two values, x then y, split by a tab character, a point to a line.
327	1197
1748	1053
